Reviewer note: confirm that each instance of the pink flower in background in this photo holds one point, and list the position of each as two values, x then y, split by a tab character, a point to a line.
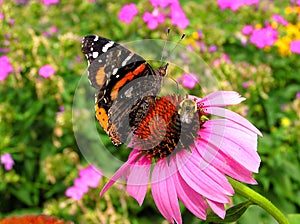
53	29
295	46
50	2
5	66
11	22
298	2
235	4
246	30
77	191
188	80
264	37
88	177
46	71
1	16
298	95
22	2
127	13
212	48
248	84
7	161
178	17
280	19
153	19
195	171
162	3
224	58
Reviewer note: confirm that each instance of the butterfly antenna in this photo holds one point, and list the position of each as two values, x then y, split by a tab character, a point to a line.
165	45
178	42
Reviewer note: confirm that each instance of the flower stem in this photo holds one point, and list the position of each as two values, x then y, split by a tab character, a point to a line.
258	199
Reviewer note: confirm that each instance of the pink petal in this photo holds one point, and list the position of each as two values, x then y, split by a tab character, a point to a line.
190	198
198	181
138	179
164	192
233	126
222	162
218	208
214	174
235	144
121	171
233	117
222	98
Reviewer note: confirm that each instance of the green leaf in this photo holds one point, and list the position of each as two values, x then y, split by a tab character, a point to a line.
232	214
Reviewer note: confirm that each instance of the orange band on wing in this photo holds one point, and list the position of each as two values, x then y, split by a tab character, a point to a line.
128	77
102	117
100	76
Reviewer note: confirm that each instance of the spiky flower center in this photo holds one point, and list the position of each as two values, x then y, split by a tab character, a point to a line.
171	124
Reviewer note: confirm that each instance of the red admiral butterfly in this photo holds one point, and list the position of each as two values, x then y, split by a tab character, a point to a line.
127	85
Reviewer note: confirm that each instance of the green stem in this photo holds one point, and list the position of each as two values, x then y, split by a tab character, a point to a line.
258	199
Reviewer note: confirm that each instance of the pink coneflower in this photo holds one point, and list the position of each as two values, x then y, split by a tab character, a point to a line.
127	13
186	155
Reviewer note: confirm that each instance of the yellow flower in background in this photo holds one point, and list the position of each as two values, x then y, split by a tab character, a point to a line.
292	9
192	39
195	35
285	122
274	25
283	45
293	31
288	10
258	26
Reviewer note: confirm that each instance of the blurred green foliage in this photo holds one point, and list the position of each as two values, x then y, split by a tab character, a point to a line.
39	136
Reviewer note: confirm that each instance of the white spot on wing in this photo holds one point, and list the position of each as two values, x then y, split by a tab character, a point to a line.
96	38
95	54
115	71
128	92
108	45
127	59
